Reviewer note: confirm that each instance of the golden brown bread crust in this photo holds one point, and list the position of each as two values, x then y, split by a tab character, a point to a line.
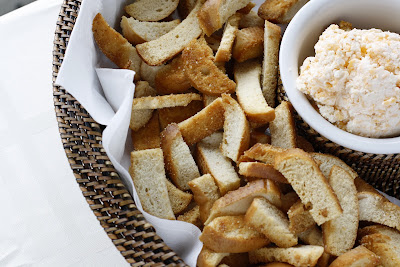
210	119
209	258
148	136
178	114
144	10
278	11
201	71
208	16
257	170
136	32
115	46
171	79
247	9
272	38
384	242
179	199
155	52
179	162
300	219
205	193
231	234
192	216
164	101
271	221
376	208
357	257
263	152
236	136
249	44
236	202
309	183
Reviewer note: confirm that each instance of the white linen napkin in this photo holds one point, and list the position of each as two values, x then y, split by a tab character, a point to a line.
107	93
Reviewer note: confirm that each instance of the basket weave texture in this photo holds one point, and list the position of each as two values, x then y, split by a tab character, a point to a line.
381	171
101	185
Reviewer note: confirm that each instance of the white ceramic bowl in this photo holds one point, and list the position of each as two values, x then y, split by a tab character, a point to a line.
298	43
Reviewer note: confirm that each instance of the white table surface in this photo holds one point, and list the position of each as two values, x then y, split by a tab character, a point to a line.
45	220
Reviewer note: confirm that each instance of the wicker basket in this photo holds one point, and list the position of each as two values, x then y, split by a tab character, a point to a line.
101	185
381	171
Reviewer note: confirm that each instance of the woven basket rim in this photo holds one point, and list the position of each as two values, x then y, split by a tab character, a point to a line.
101	186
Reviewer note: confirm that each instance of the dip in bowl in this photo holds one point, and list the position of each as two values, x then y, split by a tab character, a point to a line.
298	43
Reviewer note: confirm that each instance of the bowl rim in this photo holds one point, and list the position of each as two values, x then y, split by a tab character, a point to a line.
302	105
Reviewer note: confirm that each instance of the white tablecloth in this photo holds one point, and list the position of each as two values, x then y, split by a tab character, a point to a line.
45	220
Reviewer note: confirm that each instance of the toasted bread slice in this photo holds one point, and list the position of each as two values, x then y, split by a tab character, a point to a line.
201	71
247	9
153	10
326	162
236	136
209	258
178	114
205	193
272	222
214	13
249	94
384	242
238	201
148	73
179	200
282	128
357	257
257	170
191	216
249	44
310	184
280	11
313	236
208	99
148	175
251	20
263	152
172	78
209	120
139	118
212	161
376	208
231	234
224	51
155	52
137	32
148	136
164	101
179	162
300	219
272	39
299	256
340	233
115	46
363	186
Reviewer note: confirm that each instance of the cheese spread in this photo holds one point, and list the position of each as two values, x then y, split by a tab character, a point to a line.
354	79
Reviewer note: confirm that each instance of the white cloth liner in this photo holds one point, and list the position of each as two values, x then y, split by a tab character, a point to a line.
107	93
